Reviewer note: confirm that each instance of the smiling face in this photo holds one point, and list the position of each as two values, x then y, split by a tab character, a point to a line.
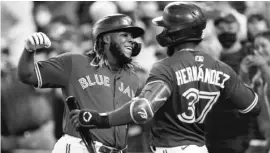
123	42
262	45
120	46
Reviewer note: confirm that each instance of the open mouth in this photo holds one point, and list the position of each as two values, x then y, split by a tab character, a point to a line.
129	48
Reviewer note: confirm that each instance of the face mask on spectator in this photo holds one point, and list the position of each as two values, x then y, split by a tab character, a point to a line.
227	39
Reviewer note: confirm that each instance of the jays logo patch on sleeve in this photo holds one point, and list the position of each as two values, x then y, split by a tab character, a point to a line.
199	58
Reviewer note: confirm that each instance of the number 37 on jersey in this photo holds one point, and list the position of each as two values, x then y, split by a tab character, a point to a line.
196	112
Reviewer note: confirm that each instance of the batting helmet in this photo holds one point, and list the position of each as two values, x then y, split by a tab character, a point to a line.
116	23
182	22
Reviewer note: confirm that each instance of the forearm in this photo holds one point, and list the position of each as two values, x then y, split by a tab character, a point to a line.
26	70
265	69
141	109
121	116
243	74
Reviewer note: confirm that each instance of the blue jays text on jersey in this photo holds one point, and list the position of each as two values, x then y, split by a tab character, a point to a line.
102	80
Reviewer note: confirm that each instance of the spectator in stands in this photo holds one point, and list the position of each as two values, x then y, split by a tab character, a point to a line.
227	130
66	37
227	30
16	24
255	71
26	114
256	24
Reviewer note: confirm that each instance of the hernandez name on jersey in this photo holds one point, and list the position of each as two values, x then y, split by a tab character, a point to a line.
194	73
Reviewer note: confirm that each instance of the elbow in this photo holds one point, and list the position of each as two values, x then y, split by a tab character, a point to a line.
141	111
24	77
254	108
149	120
144	120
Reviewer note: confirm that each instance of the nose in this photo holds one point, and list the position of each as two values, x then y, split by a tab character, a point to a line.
130	37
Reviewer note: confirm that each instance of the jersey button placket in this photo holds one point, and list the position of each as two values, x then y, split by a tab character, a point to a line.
115	103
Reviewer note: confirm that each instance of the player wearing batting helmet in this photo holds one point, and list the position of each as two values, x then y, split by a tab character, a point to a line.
181	89
102	80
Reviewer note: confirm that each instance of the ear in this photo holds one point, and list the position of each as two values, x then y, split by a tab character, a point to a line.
107	38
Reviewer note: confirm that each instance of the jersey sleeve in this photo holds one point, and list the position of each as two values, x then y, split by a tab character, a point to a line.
240	94
54	72
161	72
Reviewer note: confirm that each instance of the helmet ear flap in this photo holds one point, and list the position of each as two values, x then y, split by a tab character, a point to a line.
136	48
164	39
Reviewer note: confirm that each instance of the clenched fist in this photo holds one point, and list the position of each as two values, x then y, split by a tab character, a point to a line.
36	41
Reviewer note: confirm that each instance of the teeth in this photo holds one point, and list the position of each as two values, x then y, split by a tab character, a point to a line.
129	48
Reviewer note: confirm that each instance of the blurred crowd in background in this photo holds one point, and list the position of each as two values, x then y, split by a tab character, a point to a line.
31	119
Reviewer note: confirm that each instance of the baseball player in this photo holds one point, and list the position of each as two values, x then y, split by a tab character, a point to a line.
103	79
180	90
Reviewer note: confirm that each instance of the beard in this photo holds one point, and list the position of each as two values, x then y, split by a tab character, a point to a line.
117	53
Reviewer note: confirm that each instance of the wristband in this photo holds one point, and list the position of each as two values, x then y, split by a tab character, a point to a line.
92	119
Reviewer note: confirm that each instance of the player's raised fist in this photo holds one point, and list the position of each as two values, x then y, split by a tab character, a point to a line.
36	41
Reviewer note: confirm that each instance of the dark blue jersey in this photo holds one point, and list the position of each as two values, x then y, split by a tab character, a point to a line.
197	82
95	88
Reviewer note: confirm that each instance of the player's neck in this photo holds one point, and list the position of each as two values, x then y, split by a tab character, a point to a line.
114	65
186	46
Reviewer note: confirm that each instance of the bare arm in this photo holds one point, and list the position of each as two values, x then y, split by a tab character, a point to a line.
244	69
26	70
265	69
26	66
